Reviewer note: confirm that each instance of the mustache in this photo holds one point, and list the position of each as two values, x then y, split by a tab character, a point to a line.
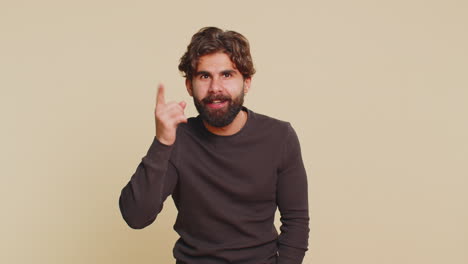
211	98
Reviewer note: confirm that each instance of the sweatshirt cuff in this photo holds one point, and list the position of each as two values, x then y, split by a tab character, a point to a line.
159	151
290	255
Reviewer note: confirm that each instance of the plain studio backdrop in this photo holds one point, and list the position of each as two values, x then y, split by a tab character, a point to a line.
376	90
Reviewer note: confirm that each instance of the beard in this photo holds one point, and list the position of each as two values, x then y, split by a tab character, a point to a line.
223	116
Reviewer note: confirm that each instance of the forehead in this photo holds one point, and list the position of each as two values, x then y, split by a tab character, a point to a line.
213	62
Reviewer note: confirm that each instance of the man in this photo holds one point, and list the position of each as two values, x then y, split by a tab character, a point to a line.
227	169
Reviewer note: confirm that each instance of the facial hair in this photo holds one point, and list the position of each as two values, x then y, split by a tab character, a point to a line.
223	116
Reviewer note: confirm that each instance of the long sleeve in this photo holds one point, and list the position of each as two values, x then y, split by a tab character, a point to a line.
292	203
142	198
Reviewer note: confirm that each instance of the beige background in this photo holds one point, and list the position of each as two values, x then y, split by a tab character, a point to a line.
376	90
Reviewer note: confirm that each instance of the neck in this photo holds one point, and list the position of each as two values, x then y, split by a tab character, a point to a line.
235	126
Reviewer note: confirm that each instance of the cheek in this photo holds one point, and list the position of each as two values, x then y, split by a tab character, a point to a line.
235	88
198	91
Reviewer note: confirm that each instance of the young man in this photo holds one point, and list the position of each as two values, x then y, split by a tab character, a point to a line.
227	169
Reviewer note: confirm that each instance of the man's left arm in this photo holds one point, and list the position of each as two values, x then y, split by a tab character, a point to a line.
292	203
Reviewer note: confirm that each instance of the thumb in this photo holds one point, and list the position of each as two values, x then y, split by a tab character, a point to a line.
183	104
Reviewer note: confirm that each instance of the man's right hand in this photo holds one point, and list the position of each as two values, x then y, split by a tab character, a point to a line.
168	116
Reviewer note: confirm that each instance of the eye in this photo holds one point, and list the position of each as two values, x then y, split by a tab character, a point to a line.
227	75
204	76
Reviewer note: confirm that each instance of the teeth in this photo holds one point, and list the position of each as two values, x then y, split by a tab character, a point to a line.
216	102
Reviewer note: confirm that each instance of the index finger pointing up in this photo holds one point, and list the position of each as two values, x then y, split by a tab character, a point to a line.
160	95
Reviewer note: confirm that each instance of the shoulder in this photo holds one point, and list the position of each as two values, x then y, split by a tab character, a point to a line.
280	130
187	137
190	127
270	124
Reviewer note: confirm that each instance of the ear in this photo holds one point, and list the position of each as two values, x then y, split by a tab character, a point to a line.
247	82
188	85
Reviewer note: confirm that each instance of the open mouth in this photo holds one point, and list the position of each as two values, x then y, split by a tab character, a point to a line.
216	104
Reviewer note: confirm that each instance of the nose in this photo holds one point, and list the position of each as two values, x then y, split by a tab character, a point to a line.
215	85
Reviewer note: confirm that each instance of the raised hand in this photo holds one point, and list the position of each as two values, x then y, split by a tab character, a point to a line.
167	116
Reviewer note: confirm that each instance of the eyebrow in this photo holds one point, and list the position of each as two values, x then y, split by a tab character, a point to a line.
202	73
232	72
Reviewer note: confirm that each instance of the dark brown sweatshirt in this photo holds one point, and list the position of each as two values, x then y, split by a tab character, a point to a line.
226	190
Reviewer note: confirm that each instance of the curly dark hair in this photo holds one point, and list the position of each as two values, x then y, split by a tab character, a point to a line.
210	40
